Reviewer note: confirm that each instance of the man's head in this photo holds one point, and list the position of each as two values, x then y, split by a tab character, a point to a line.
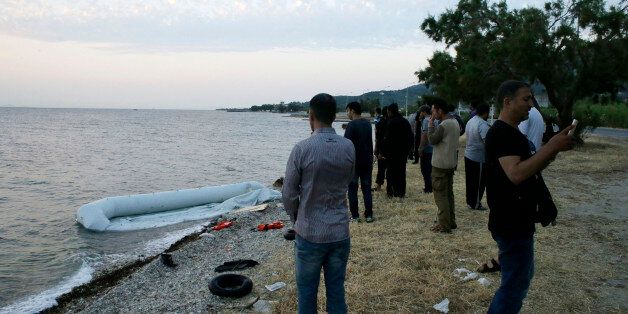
385	111
440	107
354	110
322	111
515	98
482	110
424	111
378	110
393	109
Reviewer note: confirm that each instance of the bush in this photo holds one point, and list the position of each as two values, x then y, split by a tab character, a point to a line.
613	115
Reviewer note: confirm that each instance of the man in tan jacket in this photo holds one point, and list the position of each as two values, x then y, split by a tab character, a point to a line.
444	139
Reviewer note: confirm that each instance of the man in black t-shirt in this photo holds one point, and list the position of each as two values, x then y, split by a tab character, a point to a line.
359	131
511	171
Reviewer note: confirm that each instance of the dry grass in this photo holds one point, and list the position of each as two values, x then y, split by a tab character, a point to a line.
398	265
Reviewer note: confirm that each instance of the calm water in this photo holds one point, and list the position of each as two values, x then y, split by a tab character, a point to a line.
52	161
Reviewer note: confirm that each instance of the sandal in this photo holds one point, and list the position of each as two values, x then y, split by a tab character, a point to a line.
489	269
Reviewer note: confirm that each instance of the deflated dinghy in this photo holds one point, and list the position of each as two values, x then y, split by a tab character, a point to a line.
143	211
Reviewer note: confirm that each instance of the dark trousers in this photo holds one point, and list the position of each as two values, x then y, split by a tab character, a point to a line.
381	171
364	177
396	177
426	171
475	177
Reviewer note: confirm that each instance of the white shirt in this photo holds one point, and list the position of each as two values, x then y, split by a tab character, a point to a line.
476	130
533	128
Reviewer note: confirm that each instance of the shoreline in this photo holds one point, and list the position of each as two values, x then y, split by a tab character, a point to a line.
196	254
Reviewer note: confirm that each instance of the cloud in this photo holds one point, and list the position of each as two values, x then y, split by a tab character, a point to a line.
220	25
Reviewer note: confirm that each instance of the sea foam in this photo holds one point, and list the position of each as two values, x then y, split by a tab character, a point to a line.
47	298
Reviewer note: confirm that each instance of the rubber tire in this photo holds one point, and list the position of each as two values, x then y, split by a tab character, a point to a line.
231	285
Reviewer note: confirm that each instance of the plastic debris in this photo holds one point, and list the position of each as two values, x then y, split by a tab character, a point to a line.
262	306
443	306
484	281
465	274
276	286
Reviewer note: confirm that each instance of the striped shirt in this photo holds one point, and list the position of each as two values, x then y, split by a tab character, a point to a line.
315	186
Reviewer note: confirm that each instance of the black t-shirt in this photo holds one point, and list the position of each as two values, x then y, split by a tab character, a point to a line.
359	131
511	206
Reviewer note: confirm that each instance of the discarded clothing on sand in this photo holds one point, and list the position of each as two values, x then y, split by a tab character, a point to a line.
236	265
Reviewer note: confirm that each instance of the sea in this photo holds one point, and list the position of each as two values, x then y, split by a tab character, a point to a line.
52	161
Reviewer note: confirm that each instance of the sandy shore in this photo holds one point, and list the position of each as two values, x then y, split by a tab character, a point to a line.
148	286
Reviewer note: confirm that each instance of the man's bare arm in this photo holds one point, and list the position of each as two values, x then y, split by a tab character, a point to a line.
518	170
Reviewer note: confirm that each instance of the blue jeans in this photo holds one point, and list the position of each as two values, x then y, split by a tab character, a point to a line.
310	258
364	176
516	258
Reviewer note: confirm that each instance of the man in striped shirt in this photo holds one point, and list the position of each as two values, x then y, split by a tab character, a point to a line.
314	195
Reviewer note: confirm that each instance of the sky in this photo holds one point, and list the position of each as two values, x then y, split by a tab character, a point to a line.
176	54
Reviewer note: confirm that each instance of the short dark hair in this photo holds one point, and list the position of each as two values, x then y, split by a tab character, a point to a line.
323	106
509	89
481	109
378	110
440	103
425	109
393	108
355	106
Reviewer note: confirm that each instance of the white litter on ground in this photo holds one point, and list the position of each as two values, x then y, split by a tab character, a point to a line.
276	286
466	275
484	281
443	306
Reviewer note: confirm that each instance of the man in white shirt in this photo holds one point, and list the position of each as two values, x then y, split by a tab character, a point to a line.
534	127
474	157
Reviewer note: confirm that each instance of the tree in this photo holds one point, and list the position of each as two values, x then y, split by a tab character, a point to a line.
575	49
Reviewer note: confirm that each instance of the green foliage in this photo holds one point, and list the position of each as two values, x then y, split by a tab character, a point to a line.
611	115
574	48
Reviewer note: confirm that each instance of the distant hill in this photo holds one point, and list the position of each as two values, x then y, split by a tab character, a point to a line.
386	97
369	99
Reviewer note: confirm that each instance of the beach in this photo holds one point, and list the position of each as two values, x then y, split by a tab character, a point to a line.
398	265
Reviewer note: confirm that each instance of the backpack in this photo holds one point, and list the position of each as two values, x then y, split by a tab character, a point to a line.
460	122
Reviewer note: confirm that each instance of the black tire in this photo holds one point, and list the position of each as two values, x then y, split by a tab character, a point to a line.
231	285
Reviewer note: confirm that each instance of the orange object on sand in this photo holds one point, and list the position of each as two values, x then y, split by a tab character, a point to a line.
274	225
222	225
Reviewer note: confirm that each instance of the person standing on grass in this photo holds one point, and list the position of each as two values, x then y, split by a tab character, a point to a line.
444	139
397	143
534	126
512	168
380	131
314	195
359	131
474	167
425	148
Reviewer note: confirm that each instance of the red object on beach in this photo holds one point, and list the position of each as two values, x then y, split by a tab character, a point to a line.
274	225
222	225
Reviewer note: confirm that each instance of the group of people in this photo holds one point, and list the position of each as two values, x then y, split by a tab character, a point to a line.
326	169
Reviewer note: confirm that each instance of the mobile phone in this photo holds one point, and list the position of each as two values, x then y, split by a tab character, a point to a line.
574	123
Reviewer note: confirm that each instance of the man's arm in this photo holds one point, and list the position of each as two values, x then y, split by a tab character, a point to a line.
483	129
292	185
518	171
435	135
